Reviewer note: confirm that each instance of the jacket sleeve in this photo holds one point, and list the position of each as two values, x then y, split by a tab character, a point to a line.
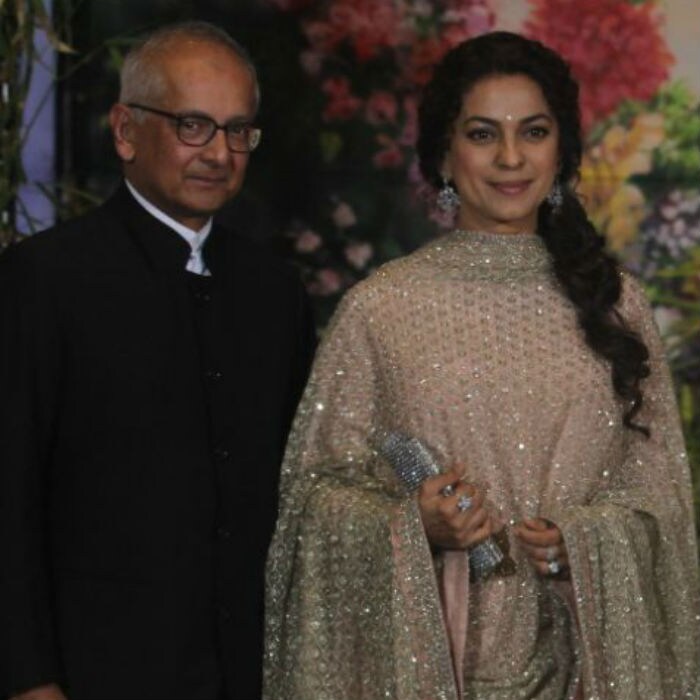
305	347
29	361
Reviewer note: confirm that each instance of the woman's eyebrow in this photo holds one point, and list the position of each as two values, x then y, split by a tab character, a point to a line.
497	122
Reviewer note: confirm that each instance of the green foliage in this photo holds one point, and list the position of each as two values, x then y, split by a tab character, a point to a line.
668	288
678	157
18	21
689	404
331	143
676	284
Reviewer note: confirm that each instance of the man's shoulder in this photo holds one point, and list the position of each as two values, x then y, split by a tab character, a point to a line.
67	241
260	257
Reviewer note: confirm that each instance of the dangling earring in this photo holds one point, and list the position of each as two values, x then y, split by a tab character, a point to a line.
447	199
555	198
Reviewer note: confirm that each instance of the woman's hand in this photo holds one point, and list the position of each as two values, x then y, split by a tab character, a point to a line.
453	512
545	547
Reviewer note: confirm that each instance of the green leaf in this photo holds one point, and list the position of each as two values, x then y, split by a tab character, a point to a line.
331	145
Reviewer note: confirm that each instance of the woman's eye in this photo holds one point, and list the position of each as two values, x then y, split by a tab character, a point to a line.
537	132
479	135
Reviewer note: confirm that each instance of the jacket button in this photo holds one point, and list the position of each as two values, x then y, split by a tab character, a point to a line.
221	454
223	533
213	375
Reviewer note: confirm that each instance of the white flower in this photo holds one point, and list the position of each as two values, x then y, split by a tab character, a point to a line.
308	241
344	216
666	317
359	254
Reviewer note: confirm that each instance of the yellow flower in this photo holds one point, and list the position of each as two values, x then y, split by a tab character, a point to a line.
626	211
691	283
615	206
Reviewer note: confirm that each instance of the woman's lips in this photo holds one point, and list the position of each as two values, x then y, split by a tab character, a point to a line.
511	188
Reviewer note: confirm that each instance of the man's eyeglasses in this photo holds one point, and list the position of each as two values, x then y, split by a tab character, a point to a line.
199	130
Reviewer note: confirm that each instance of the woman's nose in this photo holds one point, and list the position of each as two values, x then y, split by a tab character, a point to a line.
509	153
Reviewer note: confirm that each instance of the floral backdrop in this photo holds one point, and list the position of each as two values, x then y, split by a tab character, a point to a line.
337	174
366	61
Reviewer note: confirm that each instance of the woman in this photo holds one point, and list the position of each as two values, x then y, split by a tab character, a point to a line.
529	364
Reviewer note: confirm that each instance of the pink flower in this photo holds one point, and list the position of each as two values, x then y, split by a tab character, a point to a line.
290	5
615	49
464	20
343	216
415	177
311	62
459	20
321	36
368	26
341	105
424	55
307	241
381	108
409	133
359	254
390	155
327	282
421	9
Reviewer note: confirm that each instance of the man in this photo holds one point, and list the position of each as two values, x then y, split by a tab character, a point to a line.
150	364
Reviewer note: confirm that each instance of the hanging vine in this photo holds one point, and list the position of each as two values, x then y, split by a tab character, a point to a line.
19	20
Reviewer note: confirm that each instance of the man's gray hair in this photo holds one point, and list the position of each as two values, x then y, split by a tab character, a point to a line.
141	79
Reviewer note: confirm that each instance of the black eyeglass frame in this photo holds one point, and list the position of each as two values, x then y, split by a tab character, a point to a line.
254	132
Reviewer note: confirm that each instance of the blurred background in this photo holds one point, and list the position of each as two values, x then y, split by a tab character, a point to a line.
335	186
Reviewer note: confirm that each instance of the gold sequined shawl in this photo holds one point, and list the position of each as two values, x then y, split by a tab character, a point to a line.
470	345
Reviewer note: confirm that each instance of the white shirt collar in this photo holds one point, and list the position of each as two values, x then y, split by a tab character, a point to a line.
195	239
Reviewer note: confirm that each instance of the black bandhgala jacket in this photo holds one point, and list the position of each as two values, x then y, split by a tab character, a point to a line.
139	455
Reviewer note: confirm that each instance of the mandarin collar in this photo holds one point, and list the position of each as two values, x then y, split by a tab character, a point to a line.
163	248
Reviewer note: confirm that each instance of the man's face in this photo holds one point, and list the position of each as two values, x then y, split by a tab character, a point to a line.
189	183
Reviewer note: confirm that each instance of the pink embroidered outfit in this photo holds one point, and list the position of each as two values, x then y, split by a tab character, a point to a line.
470	345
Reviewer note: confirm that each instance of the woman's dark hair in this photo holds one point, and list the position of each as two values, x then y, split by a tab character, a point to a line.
589	275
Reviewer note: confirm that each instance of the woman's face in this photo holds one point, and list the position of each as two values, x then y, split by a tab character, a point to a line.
503	155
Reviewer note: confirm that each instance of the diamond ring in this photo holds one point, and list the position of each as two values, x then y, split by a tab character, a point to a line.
554	567
448	490
464	503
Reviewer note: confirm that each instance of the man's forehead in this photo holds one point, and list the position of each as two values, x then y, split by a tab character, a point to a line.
192	56
193	79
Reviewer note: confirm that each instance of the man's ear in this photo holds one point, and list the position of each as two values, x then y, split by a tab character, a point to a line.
121	120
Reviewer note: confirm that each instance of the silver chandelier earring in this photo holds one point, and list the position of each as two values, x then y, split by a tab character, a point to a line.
555	198
447	199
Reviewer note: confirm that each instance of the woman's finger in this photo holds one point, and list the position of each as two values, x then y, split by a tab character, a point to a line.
434	485
475	536
543	553
557	568
538	537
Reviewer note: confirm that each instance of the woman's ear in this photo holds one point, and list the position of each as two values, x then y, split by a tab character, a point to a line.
121	121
